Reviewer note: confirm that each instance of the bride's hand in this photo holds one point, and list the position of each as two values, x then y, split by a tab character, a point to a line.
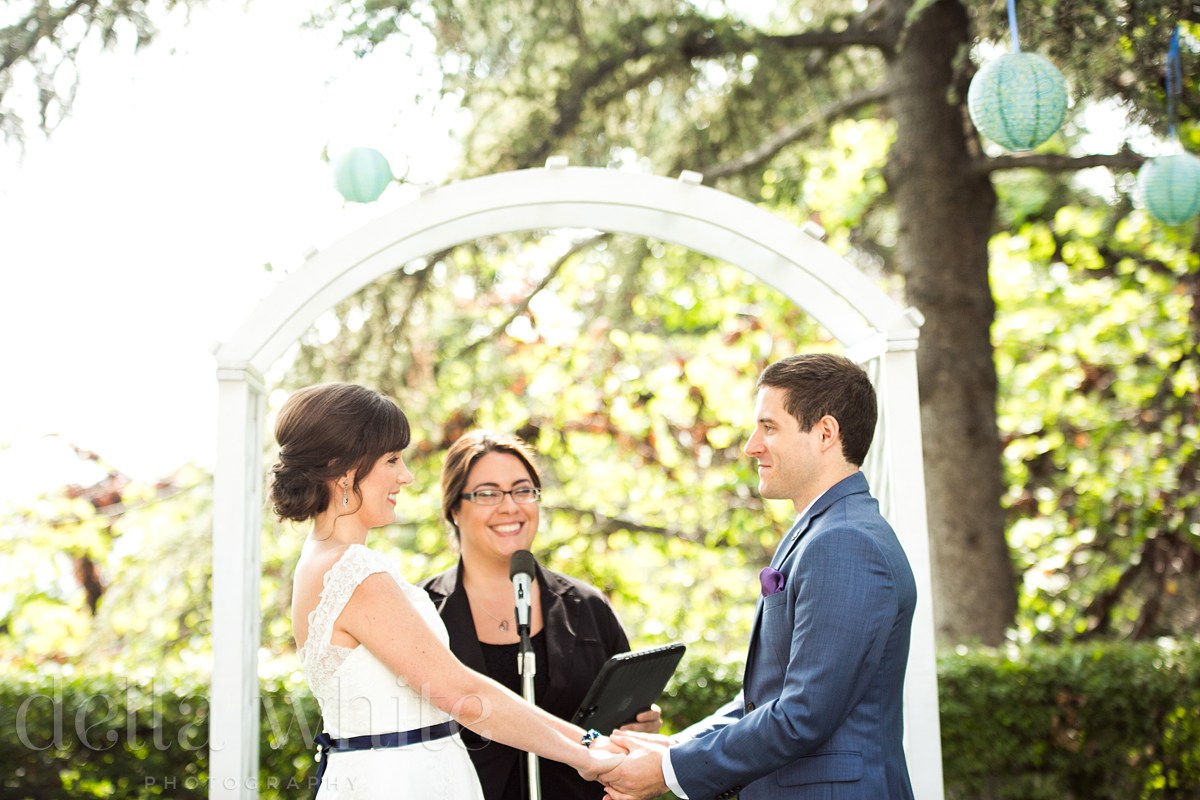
602	757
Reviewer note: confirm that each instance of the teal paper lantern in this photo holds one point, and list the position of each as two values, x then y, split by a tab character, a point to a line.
1018	101
1170	187
361	174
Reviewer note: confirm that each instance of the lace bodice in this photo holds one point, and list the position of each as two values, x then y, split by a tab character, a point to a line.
357	693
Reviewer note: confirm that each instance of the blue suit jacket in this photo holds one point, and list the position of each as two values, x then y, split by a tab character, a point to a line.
821	709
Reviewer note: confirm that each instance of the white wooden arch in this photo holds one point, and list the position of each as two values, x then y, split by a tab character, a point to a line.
873	330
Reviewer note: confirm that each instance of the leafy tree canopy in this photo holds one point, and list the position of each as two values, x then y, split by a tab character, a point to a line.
630	363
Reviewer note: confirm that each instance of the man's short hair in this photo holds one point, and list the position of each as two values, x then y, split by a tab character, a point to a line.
816	384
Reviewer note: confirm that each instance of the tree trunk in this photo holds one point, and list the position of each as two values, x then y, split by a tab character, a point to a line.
945	213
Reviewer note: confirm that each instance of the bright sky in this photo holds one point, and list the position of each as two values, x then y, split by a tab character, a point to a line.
136	237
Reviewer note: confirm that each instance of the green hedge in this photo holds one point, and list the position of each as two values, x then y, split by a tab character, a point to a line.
1069	723
87	737
1101	722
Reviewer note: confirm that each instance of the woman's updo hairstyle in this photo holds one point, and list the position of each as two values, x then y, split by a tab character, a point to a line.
324	431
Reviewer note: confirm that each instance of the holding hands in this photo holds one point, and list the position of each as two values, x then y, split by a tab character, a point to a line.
639	776
602	758
607	755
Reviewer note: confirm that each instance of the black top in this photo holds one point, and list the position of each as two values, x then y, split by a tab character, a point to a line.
580	631
501	660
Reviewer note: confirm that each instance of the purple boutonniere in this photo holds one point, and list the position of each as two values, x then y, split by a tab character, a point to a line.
772	581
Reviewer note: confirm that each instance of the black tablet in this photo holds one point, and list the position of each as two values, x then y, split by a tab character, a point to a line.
627	685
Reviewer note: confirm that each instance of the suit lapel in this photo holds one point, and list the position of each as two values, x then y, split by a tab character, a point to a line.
797	527
852	484
847	486
455	610
557	633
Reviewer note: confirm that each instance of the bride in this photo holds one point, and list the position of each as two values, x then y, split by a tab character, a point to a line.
373	647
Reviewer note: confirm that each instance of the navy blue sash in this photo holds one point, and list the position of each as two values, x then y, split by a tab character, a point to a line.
326	744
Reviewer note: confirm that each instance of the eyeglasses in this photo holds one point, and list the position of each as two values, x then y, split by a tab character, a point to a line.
494	497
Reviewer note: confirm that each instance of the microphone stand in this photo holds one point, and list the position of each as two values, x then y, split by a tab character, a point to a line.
527	668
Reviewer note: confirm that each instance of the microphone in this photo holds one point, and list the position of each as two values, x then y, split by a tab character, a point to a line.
520	572
521	567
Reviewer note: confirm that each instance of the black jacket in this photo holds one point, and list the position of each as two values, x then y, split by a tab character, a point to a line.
581	632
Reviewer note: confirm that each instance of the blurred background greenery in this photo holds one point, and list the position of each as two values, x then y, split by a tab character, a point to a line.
1058	367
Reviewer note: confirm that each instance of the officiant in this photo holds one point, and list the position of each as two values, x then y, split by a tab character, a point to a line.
491	490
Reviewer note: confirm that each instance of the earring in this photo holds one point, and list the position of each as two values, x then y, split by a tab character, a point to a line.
345	496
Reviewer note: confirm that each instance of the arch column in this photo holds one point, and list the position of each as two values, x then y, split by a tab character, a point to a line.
901	495
873	330
237	570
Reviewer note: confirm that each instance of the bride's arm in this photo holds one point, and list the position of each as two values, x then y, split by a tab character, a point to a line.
383	619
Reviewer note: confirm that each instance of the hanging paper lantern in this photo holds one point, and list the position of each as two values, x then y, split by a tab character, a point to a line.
361	174
1170	187
1018	101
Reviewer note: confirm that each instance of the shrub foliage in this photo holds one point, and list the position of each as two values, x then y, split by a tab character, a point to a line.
1070	722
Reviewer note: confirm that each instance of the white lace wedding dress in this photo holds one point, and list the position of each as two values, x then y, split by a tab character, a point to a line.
358	695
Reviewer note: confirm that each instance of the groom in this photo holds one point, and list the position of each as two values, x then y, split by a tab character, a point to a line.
820	711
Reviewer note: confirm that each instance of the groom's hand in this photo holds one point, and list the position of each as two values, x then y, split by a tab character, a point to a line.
602	758
640	775
606	744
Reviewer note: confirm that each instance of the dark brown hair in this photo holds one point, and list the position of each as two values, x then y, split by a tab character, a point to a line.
816	384
325	431
468	449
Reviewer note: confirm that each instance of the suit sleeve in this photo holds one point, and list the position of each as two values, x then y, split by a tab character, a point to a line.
844	601
729	713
